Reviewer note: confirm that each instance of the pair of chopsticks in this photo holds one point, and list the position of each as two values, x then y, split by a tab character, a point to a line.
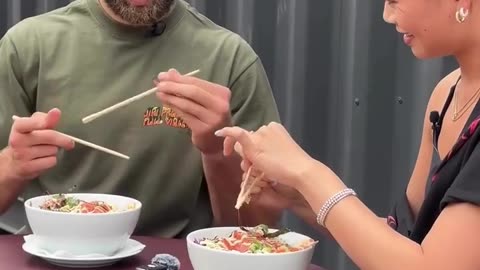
106	111
246	189
112	108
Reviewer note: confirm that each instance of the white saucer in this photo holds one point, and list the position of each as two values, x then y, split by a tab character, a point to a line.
132	248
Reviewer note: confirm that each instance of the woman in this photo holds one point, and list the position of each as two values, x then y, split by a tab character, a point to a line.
436	224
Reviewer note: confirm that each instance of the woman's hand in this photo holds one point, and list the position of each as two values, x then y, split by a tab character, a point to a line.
271	194
270	150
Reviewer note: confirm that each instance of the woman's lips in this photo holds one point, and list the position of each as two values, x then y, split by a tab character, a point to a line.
408	38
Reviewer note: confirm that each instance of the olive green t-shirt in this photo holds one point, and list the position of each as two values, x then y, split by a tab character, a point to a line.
77	59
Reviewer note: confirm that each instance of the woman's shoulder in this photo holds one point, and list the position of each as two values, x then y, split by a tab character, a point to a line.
442	89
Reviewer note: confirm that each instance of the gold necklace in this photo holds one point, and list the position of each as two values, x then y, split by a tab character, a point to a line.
458	114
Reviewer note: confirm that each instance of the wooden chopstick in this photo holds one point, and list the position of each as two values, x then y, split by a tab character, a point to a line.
243	196
89	144
240	198
114	107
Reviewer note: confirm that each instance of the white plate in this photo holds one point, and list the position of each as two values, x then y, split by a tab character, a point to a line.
132	248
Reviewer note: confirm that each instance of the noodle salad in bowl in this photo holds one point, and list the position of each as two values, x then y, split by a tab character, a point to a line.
82	223
71	204
255	240
240	248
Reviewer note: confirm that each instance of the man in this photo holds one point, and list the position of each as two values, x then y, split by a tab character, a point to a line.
77	60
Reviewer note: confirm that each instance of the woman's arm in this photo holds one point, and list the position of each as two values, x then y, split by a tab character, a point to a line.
453	242
305	212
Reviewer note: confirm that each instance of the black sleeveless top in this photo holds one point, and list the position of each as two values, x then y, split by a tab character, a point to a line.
456	178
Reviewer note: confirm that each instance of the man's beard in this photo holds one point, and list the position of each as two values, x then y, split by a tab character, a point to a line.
147	15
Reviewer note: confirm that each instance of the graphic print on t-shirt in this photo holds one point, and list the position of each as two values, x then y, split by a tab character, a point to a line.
155	116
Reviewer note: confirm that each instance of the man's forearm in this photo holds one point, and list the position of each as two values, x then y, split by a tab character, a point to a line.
224	178
305	213
9	187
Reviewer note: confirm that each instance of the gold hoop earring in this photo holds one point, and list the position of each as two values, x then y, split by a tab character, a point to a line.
461	15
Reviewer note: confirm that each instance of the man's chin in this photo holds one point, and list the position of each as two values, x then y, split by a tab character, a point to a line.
140	12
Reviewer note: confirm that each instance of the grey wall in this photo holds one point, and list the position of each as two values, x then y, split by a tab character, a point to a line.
348	89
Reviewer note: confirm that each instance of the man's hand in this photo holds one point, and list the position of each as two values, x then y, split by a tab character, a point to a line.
204	106
33	146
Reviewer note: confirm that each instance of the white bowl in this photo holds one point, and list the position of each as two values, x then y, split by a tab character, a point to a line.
204	258
81	234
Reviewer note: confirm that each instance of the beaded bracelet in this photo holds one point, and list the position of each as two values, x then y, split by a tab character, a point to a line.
330	203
